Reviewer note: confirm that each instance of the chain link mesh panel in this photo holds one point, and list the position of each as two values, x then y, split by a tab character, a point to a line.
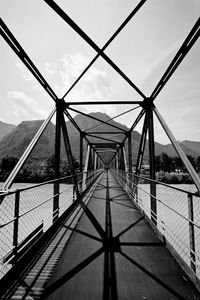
178	214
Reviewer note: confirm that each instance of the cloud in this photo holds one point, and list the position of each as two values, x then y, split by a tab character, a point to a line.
25	107
157	63
49	68
94	85
27	75
61	74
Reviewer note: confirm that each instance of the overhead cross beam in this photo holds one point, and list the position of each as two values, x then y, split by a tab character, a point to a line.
100	52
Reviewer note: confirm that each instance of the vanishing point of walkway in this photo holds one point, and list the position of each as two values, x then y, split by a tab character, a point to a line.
114	254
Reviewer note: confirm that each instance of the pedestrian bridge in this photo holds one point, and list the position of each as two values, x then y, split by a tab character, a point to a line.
105	231
107	243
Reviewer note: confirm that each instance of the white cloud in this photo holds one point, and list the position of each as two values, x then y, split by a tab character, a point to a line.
27	75
152	67
25	107
94	85
49	68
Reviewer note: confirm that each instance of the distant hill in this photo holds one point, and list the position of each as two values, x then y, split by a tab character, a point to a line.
5	128
169	149
15	142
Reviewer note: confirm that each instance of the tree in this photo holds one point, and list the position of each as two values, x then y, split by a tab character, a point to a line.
198	163
157	163
166	162
192	161
7	164
178	163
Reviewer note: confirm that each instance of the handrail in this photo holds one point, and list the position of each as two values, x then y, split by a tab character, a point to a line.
164	184
26	209
176	218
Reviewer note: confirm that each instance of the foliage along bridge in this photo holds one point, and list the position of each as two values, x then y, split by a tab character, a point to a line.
109	233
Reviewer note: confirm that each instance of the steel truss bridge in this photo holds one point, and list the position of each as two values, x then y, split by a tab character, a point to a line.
111	234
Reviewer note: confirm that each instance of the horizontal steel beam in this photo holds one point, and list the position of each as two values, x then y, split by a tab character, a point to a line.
106	145
117	102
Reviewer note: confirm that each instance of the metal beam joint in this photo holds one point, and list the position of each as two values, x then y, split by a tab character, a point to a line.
147	103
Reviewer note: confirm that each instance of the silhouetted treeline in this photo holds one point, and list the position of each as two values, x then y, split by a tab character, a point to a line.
45	170
34	172
174	164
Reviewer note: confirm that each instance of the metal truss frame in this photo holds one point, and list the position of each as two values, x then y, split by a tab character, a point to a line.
147	105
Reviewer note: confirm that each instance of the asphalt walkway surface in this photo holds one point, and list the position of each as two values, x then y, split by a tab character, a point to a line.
114	254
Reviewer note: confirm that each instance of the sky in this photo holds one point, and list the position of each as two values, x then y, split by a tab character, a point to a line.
143	50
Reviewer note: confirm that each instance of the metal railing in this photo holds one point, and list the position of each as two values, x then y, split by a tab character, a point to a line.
177	217
26	213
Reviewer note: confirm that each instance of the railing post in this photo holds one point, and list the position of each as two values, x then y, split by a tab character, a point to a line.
56	186
191	232
16	225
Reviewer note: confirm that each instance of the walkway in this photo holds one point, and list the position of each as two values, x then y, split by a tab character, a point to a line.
114	254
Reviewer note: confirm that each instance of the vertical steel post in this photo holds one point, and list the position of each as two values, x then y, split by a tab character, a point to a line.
125	167
129	153
95	161
81	153
191	232
57	164
117	162
141	147
16	225
81	160
130	159
86	167
150	125
69	154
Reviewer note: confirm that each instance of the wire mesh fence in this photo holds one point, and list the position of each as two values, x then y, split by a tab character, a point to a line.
177	217
27	213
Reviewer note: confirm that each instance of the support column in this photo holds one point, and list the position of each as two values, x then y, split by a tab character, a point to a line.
130	176
69	153
86	167
117	162
141	147
150	124
81	153
95	161
57	164
129	153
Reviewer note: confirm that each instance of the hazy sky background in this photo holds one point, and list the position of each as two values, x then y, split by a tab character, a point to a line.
143	50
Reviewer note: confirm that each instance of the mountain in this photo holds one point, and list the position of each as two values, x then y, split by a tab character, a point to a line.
169	149
19	137
5	128
195	146
15	143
